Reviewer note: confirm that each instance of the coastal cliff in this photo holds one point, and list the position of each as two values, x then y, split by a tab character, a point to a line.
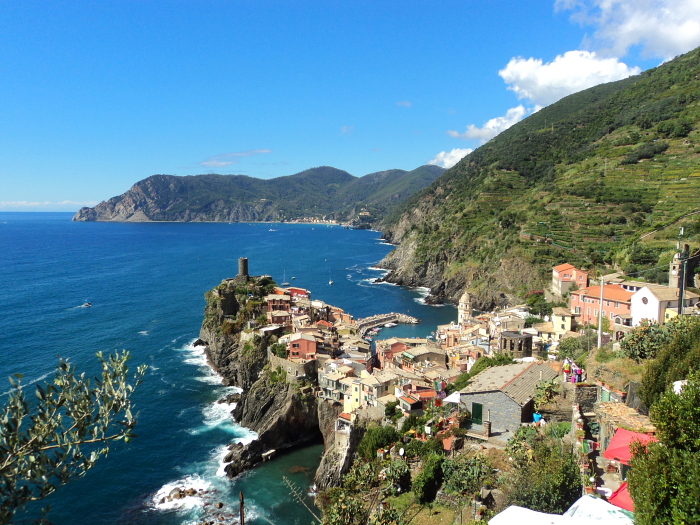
283	411
340	447
490	285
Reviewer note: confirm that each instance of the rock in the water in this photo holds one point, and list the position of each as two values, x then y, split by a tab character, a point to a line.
200	342
219	505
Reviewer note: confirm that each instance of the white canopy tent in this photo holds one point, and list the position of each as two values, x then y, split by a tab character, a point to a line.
587	510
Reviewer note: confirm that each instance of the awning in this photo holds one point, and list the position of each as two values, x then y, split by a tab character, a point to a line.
621	498
619	448
454	397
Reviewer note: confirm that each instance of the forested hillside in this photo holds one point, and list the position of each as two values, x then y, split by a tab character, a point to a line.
579	181
318	192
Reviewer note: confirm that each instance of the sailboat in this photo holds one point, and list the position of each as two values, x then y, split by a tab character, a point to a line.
285	283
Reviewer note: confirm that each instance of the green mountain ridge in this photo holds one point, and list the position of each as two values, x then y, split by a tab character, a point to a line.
579	181
322	192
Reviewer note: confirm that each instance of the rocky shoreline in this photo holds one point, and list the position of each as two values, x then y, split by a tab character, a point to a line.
283	414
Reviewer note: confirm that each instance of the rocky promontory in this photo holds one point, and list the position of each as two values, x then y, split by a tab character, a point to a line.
284	413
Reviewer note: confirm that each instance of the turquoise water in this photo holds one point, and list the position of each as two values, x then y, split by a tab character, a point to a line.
146	282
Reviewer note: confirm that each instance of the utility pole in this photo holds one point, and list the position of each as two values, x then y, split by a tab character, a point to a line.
600	311
683	253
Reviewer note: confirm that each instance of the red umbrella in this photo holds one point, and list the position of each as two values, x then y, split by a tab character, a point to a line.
621	498
619	447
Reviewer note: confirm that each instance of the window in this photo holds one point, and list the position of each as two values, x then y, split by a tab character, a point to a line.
607	303
595	312
295	345
588	311
578	309
617	304
612	315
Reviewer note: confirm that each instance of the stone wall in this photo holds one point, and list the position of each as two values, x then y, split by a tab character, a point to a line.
295	370
505	414
586	396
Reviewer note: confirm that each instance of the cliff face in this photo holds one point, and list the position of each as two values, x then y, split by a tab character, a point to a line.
340	448
168	198
284	414
490	285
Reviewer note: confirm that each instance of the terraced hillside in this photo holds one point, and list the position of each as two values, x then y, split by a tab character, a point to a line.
620	160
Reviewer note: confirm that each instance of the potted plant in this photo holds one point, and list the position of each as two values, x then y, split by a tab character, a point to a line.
580	435
589	483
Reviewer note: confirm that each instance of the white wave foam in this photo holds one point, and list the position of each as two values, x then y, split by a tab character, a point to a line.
159	501
27	383
143	332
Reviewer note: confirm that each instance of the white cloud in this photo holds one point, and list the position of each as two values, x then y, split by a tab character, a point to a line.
493	127
226	159
663	28
346	130
544	83
404	103
449	159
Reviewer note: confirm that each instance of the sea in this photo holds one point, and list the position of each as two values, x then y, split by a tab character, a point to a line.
146	284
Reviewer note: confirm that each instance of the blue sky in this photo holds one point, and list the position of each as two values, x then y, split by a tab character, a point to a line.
95	96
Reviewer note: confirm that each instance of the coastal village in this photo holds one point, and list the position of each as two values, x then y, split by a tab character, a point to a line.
373	381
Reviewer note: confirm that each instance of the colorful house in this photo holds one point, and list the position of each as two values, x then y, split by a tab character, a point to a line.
565	276
586	303
302	346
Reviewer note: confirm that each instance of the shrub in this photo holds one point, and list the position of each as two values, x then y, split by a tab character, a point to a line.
375	438
466	474
428	480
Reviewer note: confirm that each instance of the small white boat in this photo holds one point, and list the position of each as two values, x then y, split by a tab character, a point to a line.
87	304
285	283
293	278
272	230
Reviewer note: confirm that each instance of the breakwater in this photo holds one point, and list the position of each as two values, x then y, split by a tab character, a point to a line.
367	323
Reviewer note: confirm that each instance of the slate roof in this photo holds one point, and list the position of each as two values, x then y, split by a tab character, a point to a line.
516	381
666	293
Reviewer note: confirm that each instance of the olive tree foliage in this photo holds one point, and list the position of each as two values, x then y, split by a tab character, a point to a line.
46	444
649	338
674	362
665	477
546	477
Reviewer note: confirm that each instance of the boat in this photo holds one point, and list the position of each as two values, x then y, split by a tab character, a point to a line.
272	230
293	278
285	283
330	281
390	325
87	304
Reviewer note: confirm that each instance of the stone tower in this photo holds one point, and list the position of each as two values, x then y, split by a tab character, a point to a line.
243	268
464	309
674	268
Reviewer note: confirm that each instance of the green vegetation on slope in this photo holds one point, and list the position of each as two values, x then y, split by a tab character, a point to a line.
317	192
611	163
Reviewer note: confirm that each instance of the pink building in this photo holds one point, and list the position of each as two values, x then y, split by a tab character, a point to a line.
565	276
302	346
586	303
